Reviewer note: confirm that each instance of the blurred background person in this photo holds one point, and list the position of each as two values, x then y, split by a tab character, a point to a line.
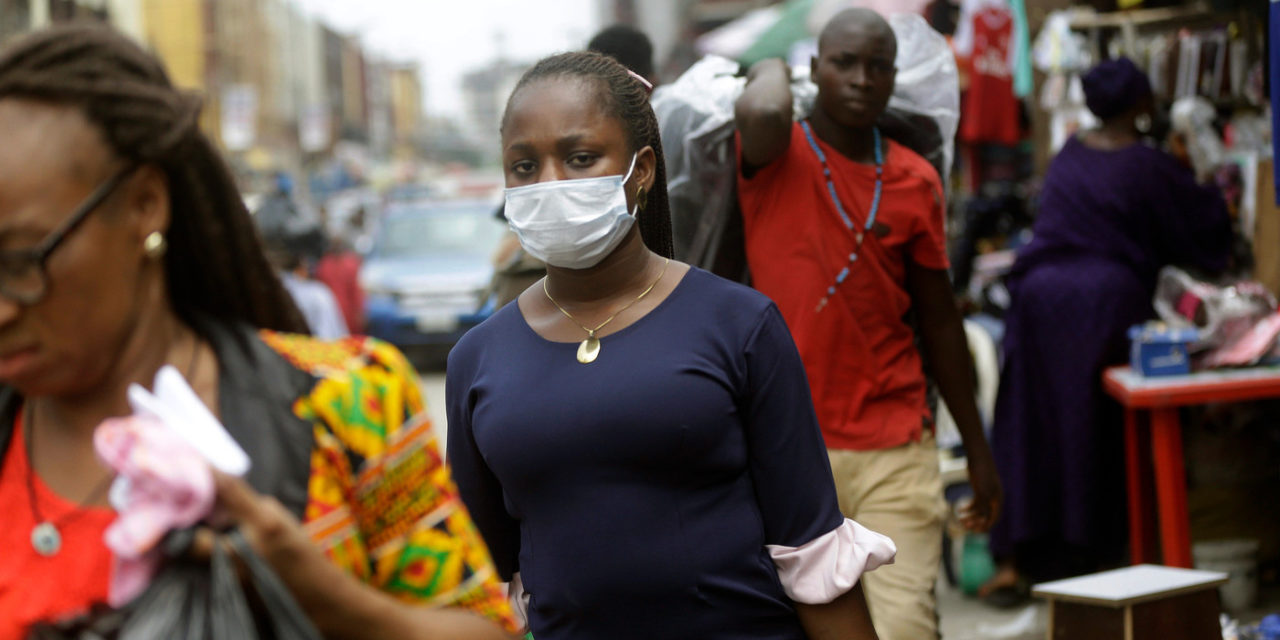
278	212
629	46
339	269
1114	209
313	297
125	247
514	270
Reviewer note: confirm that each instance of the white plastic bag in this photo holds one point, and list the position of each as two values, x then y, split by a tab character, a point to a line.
1058	48
927	83
1193	118
695	118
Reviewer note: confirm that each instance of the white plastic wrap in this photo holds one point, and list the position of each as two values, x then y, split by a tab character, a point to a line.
1058	48
695	116
928	83
1193	117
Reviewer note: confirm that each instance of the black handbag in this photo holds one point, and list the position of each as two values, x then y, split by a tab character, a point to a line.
189	600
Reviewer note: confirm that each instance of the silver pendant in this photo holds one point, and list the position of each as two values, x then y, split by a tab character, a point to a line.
589	350
45	539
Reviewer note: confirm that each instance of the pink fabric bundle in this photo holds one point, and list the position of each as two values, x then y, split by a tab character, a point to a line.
1248	349
163	456
167	484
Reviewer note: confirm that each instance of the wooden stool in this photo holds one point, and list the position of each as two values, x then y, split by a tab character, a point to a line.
1144	602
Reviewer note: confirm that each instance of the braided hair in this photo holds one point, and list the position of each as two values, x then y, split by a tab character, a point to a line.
215	266
624	97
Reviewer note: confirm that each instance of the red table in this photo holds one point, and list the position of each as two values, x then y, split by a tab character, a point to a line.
1161	397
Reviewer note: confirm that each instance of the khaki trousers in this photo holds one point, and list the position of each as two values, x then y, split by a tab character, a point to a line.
898	492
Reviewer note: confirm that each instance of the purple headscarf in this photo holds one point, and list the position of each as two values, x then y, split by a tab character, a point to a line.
1114	86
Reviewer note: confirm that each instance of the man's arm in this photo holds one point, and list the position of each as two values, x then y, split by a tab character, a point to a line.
763	114
845	618
946	348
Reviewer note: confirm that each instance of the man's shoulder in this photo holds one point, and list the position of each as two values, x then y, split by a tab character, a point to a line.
904	164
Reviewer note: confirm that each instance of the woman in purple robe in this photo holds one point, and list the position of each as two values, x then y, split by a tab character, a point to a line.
1113	211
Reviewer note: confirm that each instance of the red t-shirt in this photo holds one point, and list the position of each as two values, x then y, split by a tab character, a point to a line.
864	370
82	565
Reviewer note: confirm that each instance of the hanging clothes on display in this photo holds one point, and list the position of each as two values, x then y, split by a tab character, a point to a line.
1023	80
990	109
1273	66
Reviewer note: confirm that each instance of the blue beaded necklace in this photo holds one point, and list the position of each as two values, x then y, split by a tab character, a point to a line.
844	215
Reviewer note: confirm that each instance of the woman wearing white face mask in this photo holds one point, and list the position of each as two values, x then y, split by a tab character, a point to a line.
634	437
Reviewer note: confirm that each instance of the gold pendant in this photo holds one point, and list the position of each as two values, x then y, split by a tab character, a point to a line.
589	350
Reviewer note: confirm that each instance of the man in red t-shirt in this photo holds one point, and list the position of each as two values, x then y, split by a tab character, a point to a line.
844	230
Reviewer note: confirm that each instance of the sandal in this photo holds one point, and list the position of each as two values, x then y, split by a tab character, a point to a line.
1009	597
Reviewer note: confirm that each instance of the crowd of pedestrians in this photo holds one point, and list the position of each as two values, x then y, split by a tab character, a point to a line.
637	448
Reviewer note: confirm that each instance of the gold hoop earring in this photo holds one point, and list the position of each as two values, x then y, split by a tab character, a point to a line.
640	201
155	245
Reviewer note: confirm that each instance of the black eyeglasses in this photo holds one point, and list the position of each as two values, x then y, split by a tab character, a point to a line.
22	272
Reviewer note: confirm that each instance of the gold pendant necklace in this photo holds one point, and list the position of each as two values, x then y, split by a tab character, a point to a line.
589	349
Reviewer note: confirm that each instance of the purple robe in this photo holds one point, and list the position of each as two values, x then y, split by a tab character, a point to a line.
1108	221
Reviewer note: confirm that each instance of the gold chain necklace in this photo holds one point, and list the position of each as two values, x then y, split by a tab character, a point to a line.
589	349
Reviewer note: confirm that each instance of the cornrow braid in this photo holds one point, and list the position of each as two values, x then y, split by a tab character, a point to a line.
627	99
215	265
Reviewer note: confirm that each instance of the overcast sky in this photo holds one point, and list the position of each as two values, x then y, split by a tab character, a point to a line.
451	37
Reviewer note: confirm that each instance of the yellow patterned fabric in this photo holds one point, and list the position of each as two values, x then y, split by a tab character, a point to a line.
380	500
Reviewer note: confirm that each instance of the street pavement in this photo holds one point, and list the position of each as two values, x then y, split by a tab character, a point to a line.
433	394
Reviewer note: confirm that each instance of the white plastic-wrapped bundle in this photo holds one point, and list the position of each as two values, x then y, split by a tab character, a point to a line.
695	116
927	86
1193	118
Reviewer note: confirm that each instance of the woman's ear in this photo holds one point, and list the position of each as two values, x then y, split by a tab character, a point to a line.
148	201
646	167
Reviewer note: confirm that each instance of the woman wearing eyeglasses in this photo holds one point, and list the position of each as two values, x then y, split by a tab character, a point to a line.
124	247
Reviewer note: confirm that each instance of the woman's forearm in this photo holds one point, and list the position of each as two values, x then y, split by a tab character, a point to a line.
845	618
339	604
344	608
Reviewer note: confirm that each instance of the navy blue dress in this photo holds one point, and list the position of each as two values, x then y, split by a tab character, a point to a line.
635	495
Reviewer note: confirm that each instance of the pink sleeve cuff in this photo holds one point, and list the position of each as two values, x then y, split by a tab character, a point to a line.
824	568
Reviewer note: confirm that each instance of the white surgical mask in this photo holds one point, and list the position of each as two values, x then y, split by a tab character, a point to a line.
572	224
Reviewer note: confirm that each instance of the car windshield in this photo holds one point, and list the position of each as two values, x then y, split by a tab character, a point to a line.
429	230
